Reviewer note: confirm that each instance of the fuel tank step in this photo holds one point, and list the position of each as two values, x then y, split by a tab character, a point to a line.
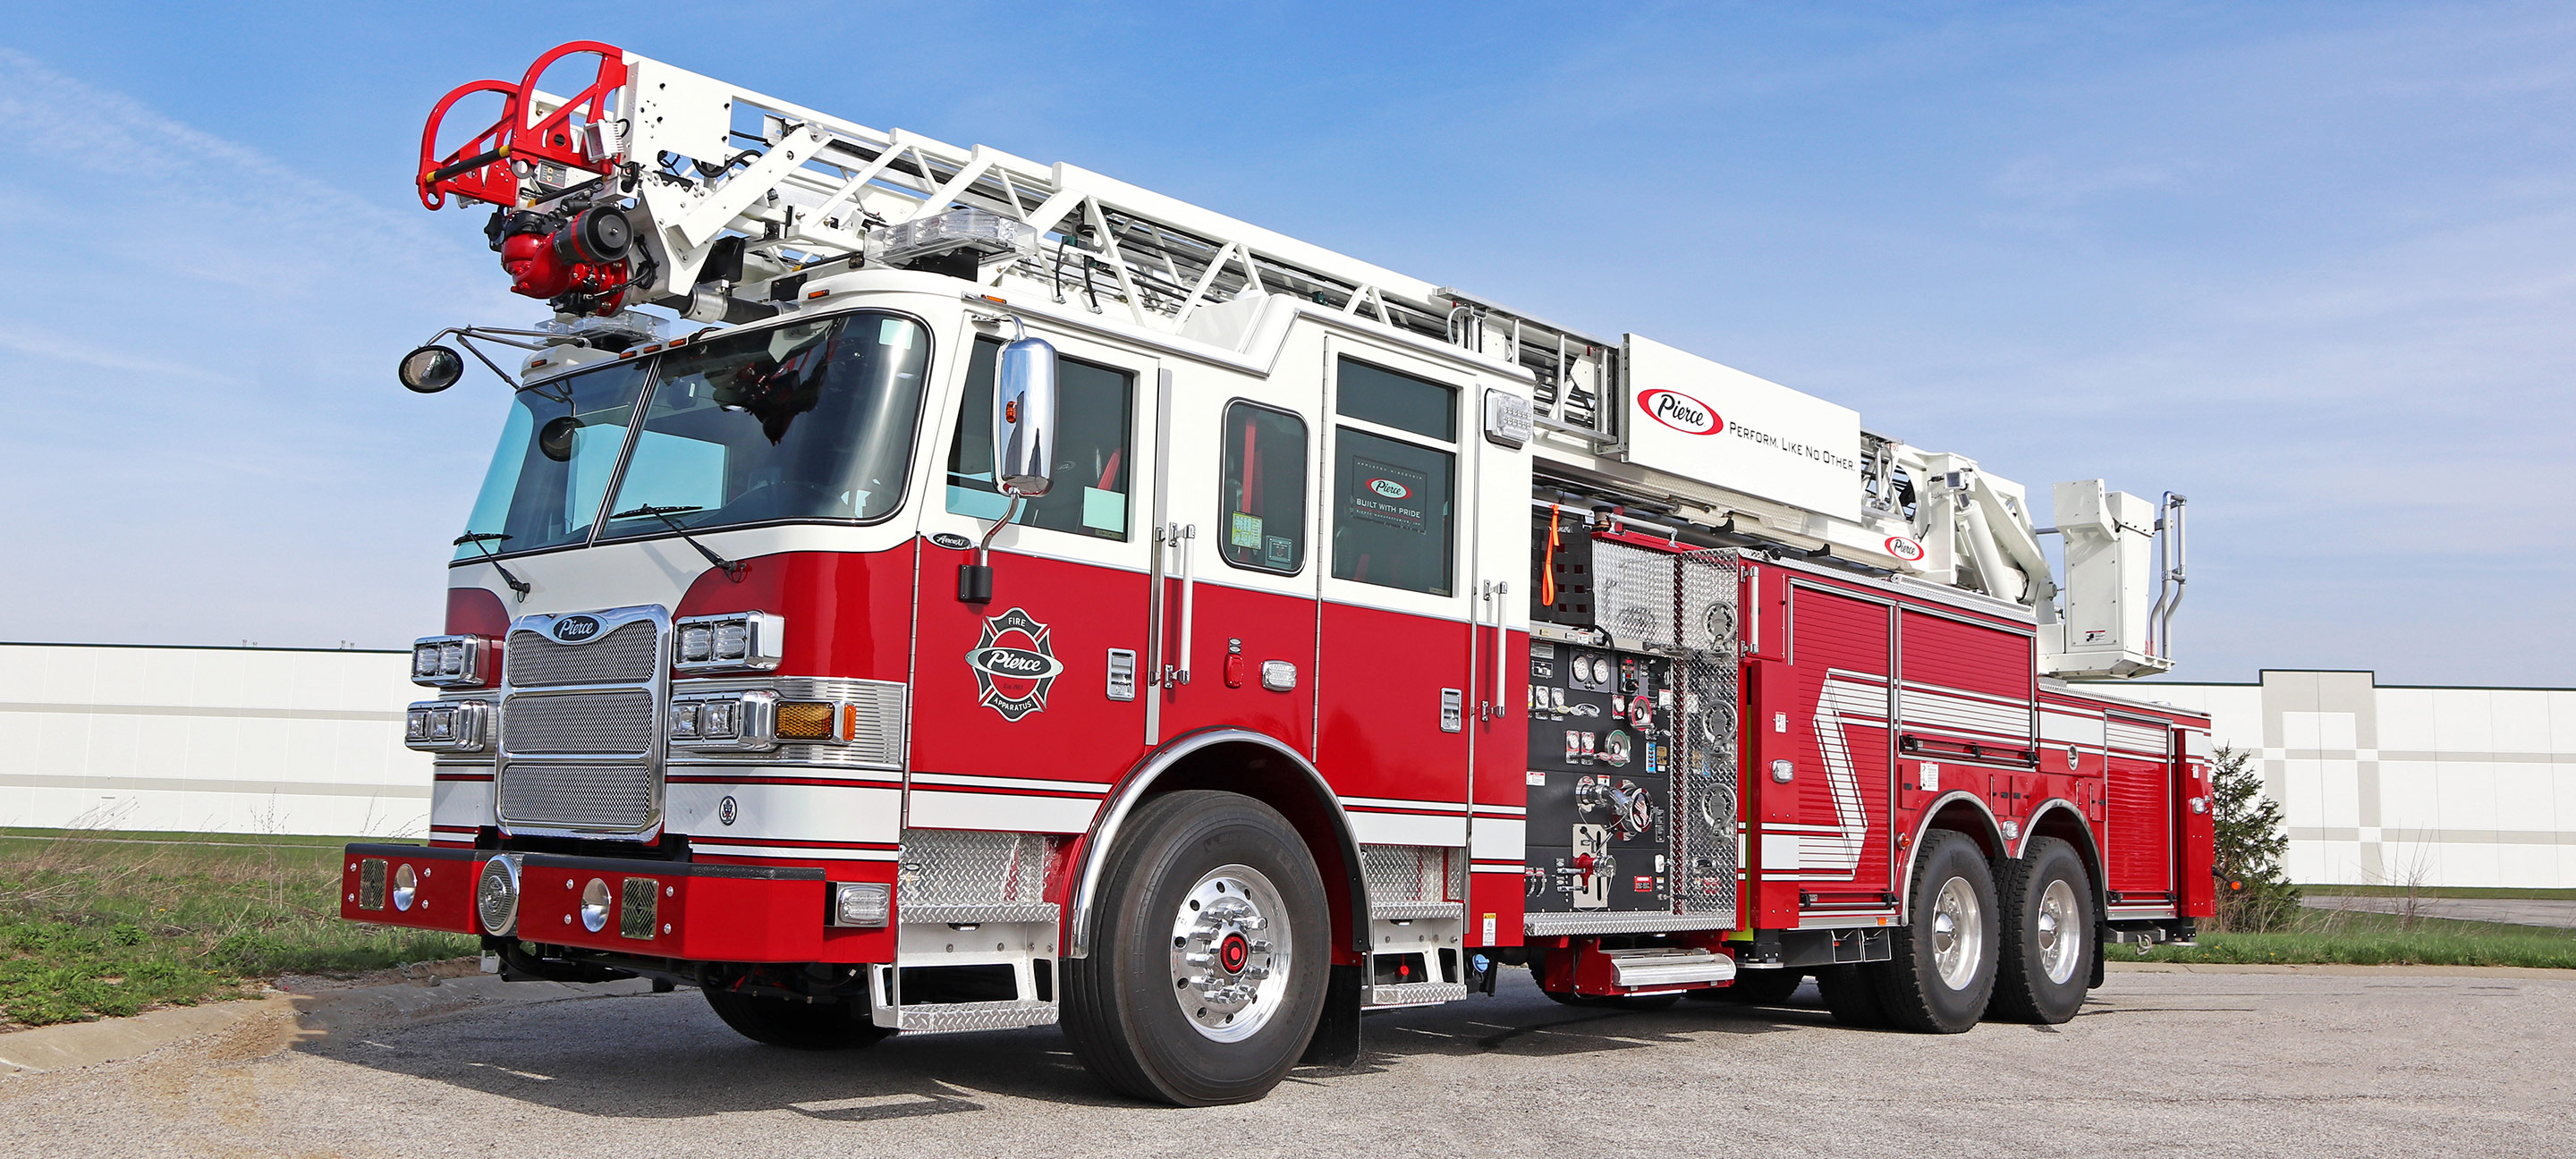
1675	967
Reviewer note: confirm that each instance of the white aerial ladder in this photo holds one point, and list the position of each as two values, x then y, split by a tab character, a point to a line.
730	199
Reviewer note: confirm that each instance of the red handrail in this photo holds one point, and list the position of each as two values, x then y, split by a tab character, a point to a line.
480	168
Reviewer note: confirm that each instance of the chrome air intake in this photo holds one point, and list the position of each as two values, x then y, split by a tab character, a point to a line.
581	743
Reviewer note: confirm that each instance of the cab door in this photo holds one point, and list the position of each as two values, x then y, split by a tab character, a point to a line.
1396	673
1029	707
1237	497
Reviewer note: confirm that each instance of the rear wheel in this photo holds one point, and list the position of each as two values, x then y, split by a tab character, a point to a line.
2047	956
1941	968
1756	988
1209	954
795	1024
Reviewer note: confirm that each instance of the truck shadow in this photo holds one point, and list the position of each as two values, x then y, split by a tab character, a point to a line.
667	1057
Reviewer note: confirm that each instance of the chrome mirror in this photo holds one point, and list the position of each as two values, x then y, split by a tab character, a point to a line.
1024	417
431	369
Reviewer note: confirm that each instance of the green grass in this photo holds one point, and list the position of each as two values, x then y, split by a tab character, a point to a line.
96	925
2372	939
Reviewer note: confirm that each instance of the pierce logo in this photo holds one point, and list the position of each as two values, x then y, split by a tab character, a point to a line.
1014	664
575	629
1904	549
1680	411
1389	488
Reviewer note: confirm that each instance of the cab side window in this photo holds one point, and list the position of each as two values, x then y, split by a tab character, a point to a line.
1088	492
1263	487
1394	498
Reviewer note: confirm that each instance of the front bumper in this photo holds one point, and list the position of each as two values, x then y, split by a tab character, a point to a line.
660	909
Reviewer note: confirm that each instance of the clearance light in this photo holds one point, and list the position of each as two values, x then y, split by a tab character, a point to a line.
860	904
808	720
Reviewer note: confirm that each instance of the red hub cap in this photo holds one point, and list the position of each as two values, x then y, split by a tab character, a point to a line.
1233	952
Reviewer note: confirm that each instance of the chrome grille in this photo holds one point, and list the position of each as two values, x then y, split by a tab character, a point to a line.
626	655
584	761
616	723
568	796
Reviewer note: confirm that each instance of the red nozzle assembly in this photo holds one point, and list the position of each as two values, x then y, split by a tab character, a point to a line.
576	265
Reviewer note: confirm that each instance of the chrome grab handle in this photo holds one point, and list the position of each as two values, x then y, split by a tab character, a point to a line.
1501	638
1187	537
1155	669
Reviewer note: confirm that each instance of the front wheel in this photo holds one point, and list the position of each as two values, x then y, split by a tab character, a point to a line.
1209	954
1941	966
2047	954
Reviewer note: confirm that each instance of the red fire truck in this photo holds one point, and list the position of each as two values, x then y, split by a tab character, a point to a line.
920	589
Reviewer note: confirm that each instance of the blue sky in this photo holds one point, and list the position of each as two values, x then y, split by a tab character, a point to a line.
2313	265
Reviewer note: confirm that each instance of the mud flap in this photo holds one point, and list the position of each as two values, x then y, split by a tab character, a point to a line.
2101	939
1337	1033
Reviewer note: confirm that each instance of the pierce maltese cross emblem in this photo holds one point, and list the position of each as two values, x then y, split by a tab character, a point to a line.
1014	664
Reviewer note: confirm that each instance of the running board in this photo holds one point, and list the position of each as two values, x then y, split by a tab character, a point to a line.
938	1018
1641	969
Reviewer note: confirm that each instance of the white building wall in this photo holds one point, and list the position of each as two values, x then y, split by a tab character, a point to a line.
2382	786
210	740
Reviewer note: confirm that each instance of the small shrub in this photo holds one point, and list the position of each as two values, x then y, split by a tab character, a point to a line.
2254	895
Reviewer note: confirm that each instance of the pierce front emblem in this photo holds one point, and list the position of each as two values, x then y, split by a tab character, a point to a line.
1014	664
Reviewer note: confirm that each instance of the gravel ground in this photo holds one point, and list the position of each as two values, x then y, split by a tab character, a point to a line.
2207	1060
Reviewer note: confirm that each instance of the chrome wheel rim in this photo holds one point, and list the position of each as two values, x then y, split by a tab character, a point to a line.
1958	933
1230	957
2061	937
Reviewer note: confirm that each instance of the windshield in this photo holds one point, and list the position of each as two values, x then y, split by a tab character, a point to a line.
811	420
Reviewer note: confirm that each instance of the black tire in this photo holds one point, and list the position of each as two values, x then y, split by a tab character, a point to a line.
2037	928
1119	1008
1755	988
1851	995
1911	987
795	1024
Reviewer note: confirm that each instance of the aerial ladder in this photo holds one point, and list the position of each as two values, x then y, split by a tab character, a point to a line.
650	185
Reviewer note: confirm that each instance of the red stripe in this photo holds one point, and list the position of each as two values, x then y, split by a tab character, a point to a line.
460	776
775	843
824	781
1404	812
1076	794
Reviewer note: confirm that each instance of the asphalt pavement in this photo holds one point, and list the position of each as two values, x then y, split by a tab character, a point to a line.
2321	1061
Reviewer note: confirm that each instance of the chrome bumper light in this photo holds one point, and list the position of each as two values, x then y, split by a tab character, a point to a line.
862	904
450	661
496	895
448	726
733	642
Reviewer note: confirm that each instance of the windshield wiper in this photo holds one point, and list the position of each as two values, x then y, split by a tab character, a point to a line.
733	571
481	541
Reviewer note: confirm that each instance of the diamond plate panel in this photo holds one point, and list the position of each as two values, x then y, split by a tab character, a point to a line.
1636	596
944	868
1707	768
932	1019
1401	874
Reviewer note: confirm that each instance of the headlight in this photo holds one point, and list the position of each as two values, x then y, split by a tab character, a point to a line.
725	721
450	661
448	726
733	642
